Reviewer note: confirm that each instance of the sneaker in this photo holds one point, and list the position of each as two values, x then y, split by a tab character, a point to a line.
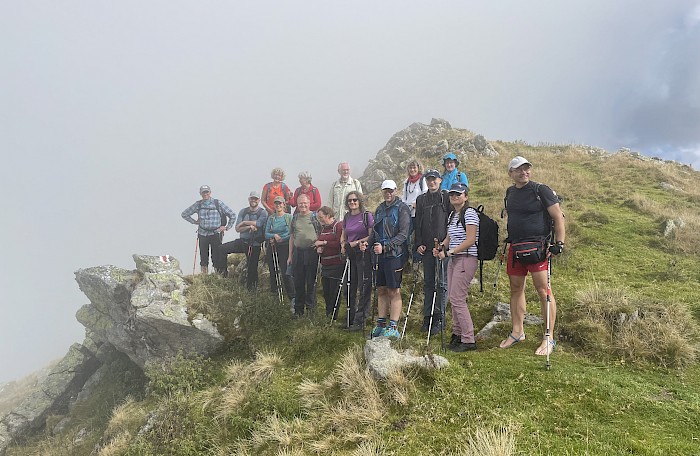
464	346
378	331
392	333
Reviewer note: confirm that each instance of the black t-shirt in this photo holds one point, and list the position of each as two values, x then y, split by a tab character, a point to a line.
527	216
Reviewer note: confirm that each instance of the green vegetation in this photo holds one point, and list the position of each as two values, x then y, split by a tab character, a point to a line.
625	378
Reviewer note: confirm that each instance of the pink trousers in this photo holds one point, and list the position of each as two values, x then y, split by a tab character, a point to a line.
460	273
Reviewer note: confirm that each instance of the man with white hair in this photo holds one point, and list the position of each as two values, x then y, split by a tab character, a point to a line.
341	188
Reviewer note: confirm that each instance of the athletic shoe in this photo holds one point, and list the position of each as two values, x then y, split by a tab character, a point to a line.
378	331
454	340
392	333
464	346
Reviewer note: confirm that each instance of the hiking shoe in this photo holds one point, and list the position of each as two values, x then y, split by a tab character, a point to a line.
437	326
392	333
426	325
378	331
463	346
454	340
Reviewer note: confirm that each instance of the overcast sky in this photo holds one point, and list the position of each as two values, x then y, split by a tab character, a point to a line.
112	114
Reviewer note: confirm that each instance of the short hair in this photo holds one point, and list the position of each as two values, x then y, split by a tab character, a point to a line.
305	175
327	211
360	200
277	171
341	164
415	161
303	195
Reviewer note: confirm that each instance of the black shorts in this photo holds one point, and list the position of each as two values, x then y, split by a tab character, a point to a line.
389	272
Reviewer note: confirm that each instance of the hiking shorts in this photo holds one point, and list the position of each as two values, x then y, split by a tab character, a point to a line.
389	272
519	269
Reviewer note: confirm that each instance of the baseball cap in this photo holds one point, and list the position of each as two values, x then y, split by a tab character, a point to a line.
254	194
432	173
204	188
517	162
459	187
389	184
279	199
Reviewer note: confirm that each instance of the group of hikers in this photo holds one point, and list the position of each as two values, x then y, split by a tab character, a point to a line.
428	219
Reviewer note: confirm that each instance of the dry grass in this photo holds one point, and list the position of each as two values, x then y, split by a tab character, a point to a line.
611	321
117	445
125	417
490	442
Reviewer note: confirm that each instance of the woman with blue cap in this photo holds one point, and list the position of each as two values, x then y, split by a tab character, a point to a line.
452	174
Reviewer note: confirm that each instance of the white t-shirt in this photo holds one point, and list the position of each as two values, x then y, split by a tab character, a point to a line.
458	234
411	192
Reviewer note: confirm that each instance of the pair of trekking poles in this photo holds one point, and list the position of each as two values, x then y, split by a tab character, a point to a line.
438	281
548	329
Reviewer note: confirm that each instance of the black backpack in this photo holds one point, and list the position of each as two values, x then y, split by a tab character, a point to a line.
224	219
487	245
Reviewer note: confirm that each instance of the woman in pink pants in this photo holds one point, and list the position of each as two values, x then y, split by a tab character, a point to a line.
460	247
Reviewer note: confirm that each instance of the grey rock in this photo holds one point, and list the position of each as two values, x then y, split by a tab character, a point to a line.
53	396
143	313
501	313
382	359
672	225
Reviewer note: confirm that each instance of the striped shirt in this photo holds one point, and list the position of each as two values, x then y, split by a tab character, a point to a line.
458	234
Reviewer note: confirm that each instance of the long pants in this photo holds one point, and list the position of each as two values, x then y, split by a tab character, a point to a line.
305	264
460	273
360	284
213	242
330	280
252	258
429	286
282	251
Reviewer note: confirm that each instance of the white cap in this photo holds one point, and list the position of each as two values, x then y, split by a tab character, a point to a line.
254	194
389	184
517	162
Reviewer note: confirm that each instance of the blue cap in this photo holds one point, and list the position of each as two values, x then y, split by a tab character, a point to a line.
450	156
432	173
459	187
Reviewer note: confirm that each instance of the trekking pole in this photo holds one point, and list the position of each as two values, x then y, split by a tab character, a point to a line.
347	297
276	267
196	247
375	299
548	333
361	293
410	300
340	290
432	308
500	264
440	280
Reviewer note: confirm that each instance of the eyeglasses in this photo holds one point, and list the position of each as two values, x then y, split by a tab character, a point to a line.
278	202
352	200
388	190
206	192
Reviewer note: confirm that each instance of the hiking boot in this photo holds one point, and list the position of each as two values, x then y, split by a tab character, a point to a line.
392	333
454	340
426	325
378	331
355	327
437	327
463	346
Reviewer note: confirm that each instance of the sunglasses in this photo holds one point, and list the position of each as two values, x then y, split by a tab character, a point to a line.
388	190
279	202
352	200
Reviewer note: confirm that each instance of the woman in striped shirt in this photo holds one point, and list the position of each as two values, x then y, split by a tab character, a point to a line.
460	246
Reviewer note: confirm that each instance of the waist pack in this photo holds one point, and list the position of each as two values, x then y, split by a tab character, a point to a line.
530	251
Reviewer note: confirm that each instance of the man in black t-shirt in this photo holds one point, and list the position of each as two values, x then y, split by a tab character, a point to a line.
532	210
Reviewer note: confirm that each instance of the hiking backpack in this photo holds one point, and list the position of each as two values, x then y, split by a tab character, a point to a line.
259	235
393	215
487	245
536	189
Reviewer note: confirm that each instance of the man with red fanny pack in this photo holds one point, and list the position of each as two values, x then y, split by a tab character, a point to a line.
533	213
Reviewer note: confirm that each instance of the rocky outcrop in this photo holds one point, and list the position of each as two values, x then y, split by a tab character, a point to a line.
143	313
501	313
428	143
54	395
382	359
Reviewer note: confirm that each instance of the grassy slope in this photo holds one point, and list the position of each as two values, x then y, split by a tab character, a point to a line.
588	403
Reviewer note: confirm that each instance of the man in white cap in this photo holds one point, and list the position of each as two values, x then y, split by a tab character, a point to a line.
389	236
535	222
340	189
251	226
211	222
